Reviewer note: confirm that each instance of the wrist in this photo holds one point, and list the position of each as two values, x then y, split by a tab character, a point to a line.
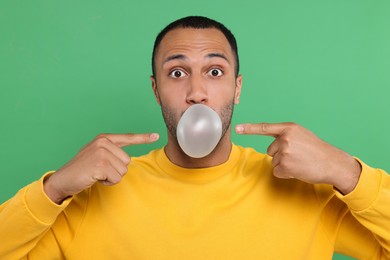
347	179
52	191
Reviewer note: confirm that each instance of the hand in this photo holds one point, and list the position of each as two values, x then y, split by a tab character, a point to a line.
298	153
101	160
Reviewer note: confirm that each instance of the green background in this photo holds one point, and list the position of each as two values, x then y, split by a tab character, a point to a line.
70	70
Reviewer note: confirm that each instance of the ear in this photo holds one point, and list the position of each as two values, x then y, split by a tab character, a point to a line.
155	91
238	89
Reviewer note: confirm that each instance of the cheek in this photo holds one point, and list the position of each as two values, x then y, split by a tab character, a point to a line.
171	93
173	99
222	92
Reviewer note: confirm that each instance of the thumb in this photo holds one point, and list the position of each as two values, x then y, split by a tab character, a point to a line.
123	140
261	129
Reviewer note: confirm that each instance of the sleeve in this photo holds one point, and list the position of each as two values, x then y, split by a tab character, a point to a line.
368	206
26	218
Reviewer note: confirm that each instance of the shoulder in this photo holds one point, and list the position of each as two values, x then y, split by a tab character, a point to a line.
149	160
150	156
249	156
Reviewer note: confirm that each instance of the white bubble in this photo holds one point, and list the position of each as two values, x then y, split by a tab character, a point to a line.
199	130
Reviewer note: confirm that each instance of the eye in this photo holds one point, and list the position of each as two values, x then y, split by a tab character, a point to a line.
177	74
215	72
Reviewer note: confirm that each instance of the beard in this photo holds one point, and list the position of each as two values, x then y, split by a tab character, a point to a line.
171	118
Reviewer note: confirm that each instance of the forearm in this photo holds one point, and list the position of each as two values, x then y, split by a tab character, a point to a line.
25	219
368	203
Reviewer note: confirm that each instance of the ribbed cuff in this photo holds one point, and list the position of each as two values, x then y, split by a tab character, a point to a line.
366	190
40	205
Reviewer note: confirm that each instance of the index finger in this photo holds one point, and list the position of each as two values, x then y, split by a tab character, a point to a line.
123	140
262	129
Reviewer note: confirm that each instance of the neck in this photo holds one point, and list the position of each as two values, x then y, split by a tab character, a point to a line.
218	156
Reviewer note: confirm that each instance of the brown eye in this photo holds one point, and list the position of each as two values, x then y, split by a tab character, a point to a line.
177	74
215	72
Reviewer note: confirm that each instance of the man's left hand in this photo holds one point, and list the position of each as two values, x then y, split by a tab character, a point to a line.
298	153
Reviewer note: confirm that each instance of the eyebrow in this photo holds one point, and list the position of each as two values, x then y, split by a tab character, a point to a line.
183	57
217	55
175	57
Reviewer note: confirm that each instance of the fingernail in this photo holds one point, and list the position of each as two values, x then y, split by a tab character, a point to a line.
154	137
239	129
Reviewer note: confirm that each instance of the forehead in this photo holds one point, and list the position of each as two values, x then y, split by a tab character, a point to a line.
190	40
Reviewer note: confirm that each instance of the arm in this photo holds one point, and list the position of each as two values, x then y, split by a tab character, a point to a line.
298	153
25	219
28	217
369	207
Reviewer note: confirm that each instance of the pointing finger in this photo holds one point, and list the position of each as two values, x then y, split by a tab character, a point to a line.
262	129
123	140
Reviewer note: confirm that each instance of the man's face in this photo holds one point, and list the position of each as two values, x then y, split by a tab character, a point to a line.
195	66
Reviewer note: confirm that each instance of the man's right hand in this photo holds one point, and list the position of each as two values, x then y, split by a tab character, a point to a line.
101	160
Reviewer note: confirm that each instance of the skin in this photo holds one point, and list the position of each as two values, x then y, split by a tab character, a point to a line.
197	66
102	160
298	153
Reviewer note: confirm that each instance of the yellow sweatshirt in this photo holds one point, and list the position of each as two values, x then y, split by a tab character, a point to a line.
237	210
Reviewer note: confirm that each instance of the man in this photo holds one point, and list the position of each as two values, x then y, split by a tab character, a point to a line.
304	200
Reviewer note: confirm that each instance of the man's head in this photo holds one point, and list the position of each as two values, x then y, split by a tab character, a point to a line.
197	22
194	62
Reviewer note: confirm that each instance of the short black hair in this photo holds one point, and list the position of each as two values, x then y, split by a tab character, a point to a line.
197	22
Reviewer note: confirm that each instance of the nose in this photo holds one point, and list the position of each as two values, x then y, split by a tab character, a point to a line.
197	91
